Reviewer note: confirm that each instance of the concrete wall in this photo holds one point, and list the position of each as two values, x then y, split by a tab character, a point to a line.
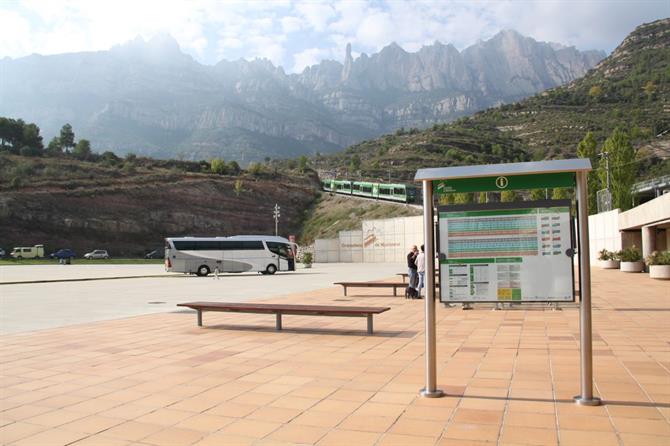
378	241
603	233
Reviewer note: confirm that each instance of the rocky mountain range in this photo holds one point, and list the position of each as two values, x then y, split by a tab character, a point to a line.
151	99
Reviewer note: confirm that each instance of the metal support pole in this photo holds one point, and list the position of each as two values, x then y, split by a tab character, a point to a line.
199	318
278	316
586	397
431	390
369	324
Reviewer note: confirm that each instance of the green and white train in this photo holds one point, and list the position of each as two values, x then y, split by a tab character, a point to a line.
394	192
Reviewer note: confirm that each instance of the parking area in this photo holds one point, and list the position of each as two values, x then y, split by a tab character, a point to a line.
34	306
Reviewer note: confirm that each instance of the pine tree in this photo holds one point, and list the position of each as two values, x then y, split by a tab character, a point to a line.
587	149
623	168
67	137
538	194
507	196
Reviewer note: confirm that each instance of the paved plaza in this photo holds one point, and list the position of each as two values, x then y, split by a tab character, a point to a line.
34	306
158	379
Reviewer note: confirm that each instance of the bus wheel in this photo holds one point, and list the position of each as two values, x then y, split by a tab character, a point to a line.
271	269
203	270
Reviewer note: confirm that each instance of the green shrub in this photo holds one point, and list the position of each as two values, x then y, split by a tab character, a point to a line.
604	255
658	258
307	258
631	254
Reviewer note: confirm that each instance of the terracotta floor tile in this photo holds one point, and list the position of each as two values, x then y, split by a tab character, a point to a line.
529	435
234	410
335	406
276	414
25	411
393	398
367	423
476	416
294	402
299	434
480	432
51	437
18	430
340	437
173	437
311	391
424	428
251	428
650	413
460	442
437	413
55	418
351	395
100	440
319	419
586	438
526	419
642	426
205	423
221	439
164	417
128	411
381	409
133	430
405	440
641	439
92	424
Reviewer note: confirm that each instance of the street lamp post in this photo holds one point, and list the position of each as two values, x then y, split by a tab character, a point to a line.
276	216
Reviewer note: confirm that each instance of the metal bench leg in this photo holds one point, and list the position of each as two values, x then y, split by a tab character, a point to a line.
345	291
369	324
199	318
395	291
278	315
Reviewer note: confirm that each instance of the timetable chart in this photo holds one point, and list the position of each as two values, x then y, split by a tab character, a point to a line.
497	255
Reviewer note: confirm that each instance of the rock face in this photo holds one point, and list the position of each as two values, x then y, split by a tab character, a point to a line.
150	98
131	219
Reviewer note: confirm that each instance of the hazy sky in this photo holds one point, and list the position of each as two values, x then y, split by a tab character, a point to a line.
295	34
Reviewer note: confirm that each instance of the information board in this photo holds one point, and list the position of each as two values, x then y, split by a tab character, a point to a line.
506	252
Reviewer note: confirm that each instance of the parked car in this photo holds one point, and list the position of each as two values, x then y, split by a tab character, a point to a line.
28	252
2	252
63	254
155	254
96	254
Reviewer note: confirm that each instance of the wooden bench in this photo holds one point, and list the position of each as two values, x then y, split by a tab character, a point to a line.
395	286
281	309
406	275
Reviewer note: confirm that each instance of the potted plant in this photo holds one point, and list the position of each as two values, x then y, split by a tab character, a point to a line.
307	259
631	260
608	259
659	265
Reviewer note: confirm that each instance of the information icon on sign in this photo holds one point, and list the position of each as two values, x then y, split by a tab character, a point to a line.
502	182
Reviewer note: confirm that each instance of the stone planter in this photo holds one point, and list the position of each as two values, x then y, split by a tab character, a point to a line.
632	267
308	265
659	272
609	264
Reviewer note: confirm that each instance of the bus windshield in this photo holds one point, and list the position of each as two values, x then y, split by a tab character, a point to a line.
281	249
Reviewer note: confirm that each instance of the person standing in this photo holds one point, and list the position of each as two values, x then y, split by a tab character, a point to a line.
421	270
411	267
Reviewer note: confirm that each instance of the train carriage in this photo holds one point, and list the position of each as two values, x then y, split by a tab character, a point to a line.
393	192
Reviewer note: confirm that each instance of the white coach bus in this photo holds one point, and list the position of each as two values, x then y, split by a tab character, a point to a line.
237	254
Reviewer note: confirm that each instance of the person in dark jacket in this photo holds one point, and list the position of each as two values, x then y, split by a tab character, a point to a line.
411	267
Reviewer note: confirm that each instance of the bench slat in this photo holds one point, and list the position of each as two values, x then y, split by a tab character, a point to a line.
281	309
284	308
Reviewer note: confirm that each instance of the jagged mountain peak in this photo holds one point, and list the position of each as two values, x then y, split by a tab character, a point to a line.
151	98
159	48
